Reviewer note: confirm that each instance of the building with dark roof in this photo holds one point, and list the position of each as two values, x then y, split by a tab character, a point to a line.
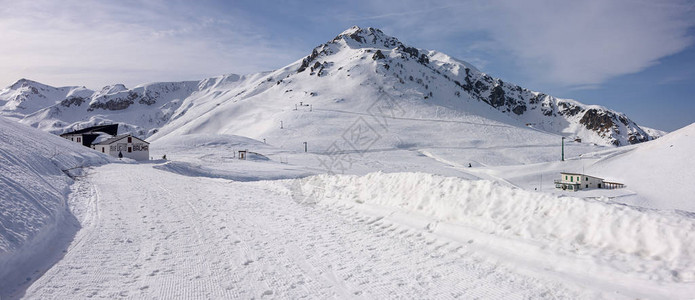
87	135
104	139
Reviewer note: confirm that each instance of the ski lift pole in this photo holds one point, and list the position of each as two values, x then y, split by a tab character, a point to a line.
563	148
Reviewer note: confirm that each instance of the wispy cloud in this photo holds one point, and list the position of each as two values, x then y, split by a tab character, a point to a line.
571	43
95	43
398	14
676	78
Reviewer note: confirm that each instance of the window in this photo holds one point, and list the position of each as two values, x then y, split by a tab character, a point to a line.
79	140
130	140
102	149
565	177
130	149
587	179
571	178
587	186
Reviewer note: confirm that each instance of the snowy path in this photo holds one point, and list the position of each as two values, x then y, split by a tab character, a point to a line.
149	233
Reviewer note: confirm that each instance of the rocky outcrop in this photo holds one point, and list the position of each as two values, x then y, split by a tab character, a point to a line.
600	122
115	103
74	100
378	55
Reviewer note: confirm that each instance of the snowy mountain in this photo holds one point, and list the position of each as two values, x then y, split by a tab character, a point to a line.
438	77
67	108
25	96
350	73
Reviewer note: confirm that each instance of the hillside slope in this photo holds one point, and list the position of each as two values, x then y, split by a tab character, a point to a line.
659	171
33	192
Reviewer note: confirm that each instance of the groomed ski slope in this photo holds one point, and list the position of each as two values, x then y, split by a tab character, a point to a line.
151	233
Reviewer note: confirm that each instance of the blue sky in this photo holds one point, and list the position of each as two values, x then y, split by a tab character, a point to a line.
635	56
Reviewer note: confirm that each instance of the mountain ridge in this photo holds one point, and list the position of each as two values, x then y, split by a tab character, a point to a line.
404	71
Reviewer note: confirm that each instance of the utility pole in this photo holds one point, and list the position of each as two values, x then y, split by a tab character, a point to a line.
305	147
563	148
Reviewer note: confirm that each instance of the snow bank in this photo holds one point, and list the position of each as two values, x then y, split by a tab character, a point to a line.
238	170
33	191
649	242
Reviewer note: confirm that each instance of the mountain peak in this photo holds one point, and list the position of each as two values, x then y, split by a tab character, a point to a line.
350	30
22	83
34	86
357	37
112	89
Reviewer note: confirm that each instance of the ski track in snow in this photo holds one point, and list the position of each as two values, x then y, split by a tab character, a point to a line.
149	233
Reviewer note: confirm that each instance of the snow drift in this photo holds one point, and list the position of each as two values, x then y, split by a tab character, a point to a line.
648	242
33	192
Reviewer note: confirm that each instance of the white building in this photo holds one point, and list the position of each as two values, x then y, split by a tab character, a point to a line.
576	181
124	146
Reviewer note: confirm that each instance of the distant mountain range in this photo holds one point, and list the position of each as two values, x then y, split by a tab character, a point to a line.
351	71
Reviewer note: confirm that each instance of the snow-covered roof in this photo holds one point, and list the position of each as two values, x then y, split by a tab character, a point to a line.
101	137
118	138
580	174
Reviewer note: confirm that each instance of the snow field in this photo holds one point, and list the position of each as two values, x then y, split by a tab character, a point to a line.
656	245
207	225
